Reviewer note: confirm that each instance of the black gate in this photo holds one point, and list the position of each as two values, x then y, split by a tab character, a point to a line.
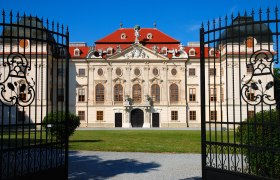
118	119
240	97
33	83
137	118
155	120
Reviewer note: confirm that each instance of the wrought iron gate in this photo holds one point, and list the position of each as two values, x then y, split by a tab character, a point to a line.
33	84
240	97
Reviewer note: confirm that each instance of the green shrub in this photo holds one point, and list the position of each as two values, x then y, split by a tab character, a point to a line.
261	137
54	123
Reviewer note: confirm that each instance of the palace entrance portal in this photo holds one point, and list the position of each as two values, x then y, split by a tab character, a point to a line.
137	118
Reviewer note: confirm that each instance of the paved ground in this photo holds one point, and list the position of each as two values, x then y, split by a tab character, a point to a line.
133	166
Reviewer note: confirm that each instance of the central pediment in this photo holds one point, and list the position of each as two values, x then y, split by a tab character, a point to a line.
137	52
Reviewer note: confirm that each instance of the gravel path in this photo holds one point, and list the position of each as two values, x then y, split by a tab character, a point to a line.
133	166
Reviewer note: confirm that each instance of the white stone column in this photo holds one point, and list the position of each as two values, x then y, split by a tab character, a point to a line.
90	86
109	88
127	123
164	95
127	77
147	118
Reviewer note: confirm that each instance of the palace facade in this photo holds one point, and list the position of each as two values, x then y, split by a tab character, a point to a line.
136	77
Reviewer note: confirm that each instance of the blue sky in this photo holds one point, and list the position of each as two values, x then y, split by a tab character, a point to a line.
90	20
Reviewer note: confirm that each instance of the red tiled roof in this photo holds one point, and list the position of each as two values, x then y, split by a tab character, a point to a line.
83	51
157	36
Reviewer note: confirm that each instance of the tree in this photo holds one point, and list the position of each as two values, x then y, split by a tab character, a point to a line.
260	136
55	124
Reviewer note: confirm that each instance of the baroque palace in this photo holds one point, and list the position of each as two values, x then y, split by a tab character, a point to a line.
142	77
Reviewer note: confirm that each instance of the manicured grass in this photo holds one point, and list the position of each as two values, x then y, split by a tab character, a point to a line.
162	141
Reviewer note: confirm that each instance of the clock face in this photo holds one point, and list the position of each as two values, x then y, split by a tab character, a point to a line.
23	43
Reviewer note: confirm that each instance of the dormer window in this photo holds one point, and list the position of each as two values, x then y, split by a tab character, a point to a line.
192	52
164	50
109	51
149	36
211	52
77	52
123	36
250	42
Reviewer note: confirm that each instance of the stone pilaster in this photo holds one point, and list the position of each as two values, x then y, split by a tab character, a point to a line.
109	88
90	86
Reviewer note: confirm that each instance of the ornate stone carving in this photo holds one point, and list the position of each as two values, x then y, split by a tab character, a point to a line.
136	53
137	80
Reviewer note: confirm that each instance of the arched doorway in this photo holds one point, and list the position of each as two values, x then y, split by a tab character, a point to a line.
137	118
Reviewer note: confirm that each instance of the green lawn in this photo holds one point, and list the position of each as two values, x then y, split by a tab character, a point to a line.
160	141
171	141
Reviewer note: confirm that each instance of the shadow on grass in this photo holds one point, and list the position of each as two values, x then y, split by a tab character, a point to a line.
93	167
79	141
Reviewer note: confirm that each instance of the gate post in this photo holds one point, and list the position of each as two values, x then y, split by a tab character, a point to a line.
202	100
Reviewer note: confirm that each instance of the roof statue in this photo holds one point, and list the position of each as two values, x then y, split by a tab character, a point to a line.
136	33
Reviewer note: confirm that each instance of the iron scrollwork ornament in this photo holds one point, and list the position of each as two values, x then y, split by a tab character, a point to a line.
262	66
16	89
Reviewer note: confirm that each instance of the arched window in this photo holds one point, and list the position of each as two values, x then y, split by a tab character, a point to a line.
22	91
136	93
118	93
99	93
155	92
173	90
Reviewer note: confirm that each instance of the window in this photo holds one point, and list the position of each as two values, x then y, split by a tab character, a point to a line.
81	115
174	115
213	115
118	93
82	72
251	114
22	96
192	52
60	95
211	52
76	52
118	71
155	71
100	72
109	51
251	95
173	71
192	94
249	68
212	72
149	36
22	92
192	72
99	115
213	94
99	93
250	42
81	95
136	93
173	93
164	50
137	71
192	115
155	92
23	43
123	36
